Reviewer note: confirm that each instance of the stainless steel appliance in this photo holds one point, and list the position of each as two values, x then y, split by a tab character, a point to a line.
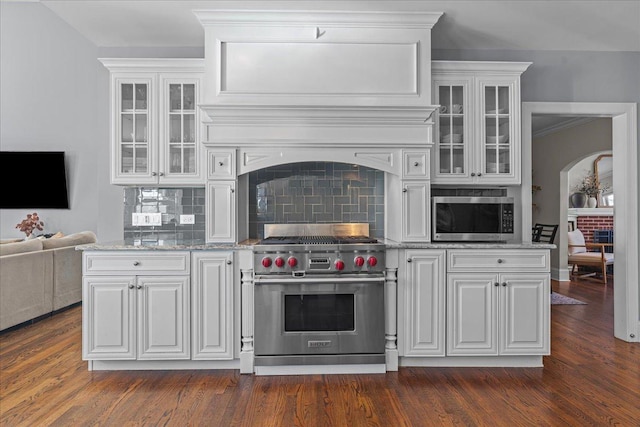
472	219
319	299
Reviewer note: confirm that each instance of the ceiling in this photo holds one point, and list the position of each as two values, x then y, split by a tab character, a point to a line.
592	25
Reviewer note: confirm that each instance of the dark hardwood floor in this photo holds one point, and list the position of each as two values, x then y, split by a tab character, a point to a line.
590	379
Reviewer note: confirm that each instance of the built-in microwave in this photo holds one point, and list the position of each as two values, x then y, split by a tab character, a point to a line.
472	219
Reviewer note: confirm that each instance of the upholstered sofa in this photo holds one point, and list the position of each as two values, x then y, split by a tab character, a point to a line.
40	276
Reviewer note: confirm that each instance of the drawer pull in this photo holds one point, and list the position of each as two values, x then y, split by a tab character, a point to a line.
139	286
136	263
416	164
504	283
130	286
228	262
496	284
220	164
500	260
408	259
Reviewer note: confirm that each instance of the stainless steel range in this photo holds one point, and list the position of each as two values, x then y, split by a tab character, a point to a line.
319	296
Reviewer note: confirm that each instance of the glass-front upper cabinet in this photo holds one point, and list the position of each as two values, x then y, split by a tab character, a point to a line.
156	121
181	128
478	132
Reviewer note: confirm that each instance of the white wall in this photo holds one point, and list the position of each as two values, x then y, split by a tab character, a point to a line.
50	94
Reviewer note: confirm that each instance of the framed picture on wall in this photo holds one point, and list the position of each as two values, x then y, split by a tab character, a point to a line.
571	225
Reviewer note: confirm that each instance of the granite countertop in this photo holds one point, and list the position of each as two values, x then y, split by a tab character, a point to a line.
197	245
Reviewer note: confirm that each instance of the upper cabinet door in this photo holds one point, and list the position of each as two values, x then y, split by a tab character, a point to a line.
134	148
181	158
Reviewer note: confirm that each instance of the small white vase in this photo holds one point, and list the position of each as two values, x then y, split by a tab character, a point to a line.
592	202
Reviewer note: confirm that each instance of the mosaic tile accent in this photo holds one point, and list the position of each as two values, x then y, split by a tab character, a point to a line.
316	192
171	203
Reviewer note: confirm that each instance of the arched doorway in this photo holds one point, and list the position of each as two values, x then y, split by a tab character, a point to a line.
625	182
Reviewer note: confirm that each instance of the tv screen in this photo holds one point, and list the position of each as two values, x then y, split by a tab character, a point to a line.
33	179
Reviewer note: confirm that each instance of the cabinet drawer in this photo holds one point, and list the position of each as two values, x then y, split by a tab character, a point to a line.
498	260
221	164
416	164
132	262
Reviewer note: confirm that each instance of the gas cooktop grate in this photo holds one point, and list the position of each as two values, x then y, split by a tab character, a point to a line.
316	240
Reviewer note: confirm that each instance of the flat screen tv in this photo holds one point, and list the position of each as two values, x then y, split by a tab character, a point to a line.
33	179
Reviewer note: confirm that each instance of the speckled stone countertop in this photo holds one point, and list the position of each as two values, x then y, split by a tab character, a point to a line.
198	245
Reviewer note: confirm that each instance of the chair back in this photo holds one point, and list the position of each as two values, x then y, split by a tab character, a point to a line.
546	233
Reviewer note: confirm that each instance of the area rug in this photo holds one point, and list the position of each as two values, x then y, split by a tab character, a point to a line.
557	299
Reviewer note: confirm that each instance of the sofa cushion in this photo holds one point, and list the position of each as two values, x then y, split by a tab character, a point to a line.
576	238
75	239
20	247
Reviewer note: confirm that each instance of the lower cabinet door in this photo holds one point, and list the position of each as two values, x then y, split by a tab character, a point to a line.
472	314
163	317
421	328
109	318
525	310
212	304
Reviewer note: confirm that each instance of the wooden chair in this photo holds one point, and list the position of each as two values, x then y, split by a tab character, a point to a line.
579	254
544	233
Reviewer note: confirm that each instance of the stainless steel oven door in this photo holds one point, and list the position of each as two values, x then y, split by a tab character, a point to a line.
318	316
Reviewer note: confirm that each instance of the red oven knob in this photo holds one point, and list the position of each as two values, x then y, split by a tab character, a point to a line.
339	264
279	262
358	261
266	262
372	261
292	261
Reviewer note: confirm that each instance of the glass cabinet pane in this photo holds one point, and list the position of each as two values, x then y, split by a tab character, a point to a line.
175	127
127	97
141	96
182	128
141	128
189	100
126	127
175	97
189	128
451	129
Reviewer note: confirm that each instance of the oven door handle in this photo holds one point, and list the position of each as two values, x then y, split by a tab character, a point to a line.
307	279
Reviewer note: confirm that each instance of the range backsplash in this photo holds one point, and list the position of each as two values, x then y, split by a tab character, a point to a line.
171	203
314	193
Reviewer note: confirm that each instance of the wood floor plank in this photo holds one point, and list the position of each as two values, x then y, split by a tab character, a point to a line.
590	378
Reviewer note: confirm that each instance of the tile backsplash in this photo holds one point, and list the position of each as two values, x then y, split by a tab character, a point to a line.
170	203
316	192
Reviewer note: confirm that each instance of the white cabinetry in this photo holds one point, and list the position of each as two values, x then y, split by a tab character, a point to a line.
498	302
134	308
212	306
318	57
221	211
421	300
416	191
478	126
155	121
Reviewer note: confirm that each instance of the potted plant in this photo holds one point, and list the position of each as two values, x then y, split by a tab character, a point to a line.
587	191
30	223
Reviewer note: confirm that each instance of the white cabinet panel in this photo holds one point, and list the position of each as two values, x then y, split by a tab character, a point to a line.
422	304
415	211
492	260
109	318
136	262
212	303
221	211
163	317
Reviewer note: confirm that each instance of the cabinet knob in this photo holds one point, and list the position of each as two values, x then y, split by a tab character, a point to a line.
496	284
136	262
409	260
500	260
473	174
139	286
220	163
404	190
161	174
479	174
504	283
130	286
416	164
233	190
153	174
228	262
